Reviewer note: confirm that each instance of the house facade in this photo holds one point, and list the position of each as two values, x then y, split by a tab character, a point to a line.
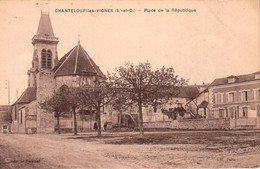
236	97
5	118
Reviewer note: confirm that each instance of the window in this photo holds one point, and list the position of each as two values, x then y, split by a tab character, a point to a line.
49	59
4	127
221	113
231	97
258	110
43	54
245	96
46	59
21	117
15	113
179	104
64	89
231	80
219	98
258	94
205	112
245	111
227	112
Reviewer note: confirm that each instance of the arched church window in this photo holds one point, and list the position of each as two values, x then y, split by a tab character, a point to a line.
43	54
64	89
49	59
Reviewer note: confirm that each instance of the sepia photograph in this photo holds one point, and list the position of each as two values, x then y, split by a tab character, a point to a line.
129	84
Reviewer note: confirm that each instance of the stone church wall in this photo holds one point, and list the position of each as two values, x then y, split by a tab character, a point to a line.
45	89
73	81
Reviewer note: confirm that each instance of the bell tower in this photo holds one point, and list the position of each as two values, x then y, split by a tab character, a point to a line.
45	49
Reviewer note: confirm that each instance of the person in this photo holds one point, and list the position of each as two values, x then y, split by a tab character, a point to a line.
105	126
95	126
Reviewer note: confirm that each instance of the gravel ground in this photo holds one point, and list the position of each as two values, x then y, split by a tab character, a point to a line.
175	149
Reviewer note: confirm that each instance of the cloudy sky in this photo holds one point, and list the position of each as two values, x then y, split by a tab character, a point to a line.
220	39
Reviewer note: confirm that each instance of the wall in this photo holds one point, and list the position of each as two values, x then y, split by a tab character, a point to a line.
31	117
45	89
203	124
158	124
45	121
5	117
73	80
246	122
45	85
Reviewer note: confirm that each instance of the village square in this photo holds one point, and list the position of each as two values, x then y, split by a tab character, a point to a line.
73	114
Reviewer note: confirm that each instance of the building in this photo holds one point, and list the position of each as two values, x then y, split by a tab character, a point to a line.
157	119
227	103
236	97
5	118
47	75
198	106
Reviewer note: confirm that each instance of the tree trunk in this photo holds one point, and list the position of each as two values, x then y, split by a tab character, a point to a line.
140	118
58	123
82	122
75	122
98	119
120	120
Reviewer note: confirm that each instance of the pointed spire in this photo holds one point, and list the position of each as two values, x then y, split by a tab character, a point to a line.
78	38
45	27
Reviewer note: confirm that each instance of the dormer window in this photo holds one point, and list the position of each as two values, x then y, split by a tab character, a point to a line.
232	79
257	75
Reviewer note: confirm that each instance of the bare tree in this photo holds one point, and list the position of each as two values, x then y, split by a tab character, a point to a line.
95	97
144	86
121	103
57	104
73	96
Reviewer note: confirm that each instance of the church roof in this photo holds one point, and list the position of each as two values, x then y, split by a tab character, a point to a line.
45	27
28	96
77	62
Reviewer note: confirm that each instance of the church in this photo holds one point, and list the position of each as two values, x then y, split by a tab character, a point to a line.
47	75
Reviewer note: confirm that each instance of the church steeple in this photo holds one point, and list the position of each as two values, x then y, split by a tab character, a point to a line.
45	44
45	49
45	32
45	27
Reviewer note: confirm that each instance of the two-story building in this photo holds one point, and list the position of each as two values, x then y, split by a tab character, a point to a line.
236	97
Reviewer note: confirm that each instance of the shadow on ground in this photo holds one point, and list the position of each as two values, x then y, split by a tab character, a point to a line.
199	137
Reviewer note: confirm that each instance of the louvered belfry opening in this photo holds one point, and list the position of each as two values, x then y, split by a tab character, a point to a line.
46	59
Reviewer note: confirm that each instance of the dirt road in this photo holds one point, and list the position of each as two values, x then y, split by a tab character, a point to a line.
125	150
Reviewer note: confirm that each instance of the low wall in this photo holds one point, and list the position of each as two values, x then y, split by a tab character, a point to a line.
158	124
246	122
203	124
258	122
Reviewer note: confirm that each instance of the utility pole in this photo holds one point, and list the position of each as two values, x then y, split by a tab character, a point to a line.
7	86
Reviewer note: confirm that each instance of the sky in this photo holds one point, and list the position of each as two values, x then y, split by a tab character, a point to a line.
220	39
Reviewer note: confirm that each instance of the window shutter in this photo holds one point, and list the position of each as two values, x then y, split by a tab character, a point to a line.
224	97
235	97
249	95
252	94
238	96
